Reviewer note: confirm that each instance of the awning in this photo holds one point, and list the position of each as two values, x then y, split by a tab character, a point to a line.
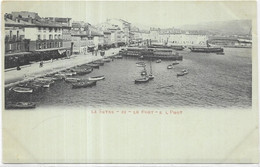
51	49
17	54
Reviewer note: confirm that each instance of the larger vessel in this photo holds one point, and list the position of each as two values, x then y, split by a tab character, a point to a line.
206	49
152	53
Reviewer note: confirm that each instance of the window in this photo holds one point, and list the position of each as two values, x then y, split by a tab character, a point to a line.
39	37
14	38
50	36
50	29
39	29
55	36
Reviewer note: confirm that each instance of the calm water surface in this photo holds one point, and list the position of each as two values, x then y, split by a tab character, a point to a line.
213	81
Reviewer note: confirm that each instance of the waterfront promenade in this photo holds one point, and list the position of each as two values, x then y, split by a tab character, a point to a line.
29	72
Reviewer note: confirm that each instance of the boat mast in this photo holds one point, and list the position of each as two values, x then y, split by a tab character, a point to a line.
151	68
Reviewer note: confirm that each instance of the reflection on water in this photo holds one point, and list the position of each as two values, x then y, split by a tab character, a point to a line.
213	81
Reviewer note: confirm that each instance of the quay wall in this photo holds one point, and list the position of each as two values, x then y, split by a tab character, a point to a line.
14	77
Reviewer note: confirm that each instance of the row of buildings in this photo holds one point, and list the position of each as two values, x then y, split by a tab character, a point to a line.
170	36
177	37
29	37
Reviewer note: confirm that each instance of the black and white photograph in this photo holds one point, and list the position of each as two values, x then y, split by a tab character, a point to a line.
74	71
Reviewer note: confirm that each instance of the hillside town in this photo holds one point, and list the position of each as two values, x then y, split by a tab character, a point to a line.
30	37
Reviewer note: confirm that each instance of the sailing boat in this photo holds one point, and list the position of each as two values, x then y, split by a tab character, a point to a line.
151	76
144	79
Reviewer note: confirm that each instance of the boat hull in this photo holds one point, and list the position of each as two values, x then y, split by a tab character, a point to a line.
20	105
96	78
22	90
206	49
142	80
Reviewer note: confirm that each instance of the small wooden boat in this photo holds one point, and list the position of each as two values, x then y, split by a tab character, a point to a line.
37	84
72	80
70	73
170	66
107	59
158	61
65	73
93	65
182	73
83	71
140	65
47	84
60	75
99	62
20	105
96	78
84	84
22	90
142	80
31	85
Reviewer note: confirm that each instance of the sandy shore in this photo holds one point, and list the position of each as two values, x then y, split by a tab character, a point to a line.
29	72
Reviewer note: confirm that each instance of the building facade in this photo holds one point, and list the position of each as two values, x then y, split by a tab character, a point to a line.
28	37
124	26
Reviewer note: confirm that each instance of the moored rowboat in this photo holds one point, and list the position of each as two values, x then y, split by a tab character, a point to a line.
107	59
82	71
158	61
142	80
20	105
93	65
99	62
170	66
96	78
183	72
84	84
72	80
22	90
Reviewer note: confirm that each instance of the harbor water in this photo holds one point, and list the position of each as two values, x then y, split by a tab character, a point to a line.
213	81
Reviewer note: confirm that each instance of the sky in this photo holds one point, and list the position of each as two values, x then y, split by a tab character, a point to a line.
163	14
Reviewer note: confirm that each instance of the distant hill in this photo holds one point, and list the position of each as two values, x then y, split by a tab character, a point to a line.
234	27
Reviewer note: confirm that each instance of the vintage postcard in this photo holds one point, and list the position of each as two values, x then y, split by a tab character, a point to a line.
129	82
